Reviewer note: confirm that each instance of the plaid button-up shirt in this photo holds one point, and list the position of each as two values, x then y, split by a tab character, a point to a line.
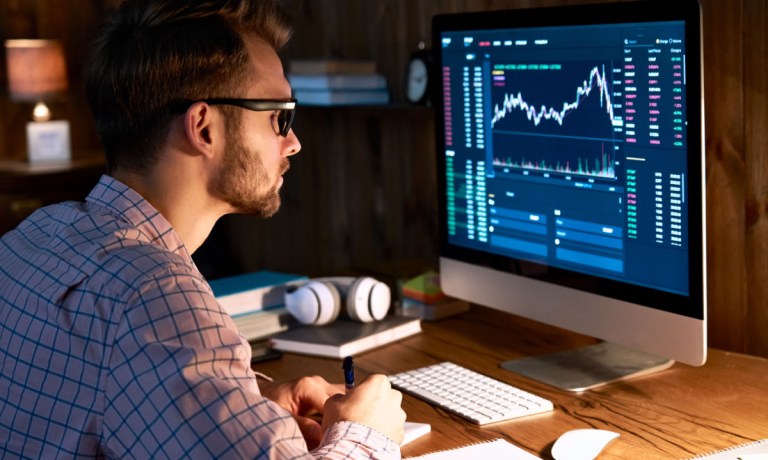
112	345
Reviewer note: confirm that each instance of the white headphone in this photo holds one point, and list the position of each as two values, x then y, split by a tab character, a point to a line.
318	302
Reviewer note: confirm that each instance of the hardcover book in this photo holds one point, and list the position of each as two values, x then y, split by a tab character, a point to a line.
332	97
260	325
345	82
316	66
432	311
345	337
249	292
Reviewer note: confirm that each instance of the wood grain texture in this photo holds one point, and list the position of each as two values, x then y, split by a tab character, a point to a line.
724	99
360	197
756	183
677	413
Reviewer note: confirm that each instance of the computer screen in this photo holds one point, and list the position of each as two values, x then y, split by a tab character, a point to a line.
571	169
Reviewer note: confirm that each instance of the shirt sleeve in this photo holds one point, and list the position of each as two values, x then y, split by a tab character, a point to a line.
179	385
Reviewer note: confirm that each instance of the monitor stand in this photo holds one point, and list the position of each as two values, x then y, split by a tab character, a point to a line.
590	367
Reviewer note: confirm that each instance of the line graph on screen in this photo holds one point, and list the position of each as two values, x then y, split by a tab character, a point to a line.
573	103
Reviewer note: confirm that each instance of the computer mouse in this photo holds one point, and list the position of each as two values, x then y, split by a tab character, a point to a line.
582	444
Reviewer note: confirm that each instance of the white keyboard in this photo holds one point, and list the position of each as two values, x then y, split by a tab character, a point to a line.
476	397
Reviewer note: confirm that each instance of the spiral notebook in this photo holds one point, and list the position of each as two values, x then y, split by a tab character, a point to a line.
756	450
497	449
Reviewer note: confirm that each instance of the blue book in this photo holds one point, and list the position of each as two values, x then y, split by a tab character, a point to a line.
330	97
255	291
345	82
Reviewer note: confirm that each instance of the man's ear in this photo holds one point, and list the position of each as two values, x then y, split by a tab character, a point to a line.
200	128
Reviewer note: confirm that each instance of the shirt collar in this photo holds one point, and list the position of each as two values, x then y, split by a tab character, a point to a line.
128	205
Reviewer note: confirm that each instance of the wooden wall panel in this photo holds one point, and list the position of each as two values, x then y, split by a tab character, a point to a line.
756	166
360	196
724	99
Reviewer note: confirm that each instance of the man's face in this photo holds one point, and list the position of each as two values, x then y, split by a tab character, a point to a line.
245	181
255	159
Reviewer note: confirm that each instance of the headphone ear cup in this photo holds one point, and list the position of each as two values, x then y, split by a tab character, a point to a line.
368	300
316	303
333	309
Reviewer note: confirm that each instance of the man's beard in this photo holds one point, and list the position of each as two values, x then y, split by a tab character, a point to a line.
243	177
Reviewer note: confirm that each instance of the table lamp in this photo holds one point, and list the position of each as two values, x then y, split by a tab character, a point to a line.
37	73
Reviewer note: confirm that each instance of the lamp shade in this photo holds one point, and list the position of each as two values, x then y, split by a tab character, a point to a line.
36	69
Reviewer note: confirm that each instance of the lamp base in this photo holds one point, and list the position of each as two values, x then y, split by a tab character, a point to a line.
48	142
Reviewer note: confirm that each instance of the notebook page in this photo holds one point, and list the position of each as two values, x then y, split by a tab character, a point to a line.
497	449
757	450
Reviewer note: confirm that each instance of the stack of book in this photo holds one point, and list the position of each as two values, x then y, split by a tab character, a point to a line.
423	298
327	82
255	301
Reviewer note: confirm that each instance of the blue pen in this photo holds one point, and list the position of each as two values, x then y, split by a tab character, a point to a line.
349	373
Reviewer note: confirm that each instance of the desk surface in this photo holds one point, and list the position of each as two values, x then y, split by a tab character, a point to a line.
677	413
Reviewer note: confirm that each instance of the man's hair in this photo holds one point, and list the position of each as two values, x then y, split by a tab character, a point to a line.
153	54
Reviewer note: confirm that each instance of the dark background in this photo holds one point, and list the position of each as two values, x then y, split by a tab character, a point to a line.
360	197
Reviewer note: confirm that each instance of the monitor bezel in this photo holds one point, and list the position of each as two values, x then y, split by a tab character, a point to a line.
693	305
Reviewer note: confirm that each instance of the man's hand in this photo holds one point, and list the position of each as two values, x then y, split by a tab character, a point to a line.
372	403
303	397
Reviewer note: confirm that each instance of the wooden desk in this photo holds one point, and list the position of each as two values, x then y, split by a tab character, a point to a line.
677	413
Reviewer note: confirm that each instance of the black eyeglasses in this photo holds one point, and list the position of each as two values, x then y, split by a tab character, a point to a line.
286	108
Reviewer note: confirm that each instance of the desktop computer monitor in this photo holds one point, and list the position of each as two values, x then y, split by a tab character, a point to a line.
571	178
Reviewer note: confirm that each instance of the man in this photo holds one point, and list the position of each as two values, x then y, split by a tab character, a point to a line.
111	342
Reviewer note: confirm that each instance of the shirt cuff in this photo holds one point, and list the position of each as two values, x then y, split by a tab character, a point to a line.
378	445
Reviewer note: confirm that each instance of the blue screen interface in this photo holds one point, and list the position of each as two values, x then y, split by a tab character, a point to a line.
567	147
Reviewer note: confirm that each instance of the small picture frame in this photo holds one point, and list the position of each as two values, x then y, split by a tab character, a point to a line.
48	141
